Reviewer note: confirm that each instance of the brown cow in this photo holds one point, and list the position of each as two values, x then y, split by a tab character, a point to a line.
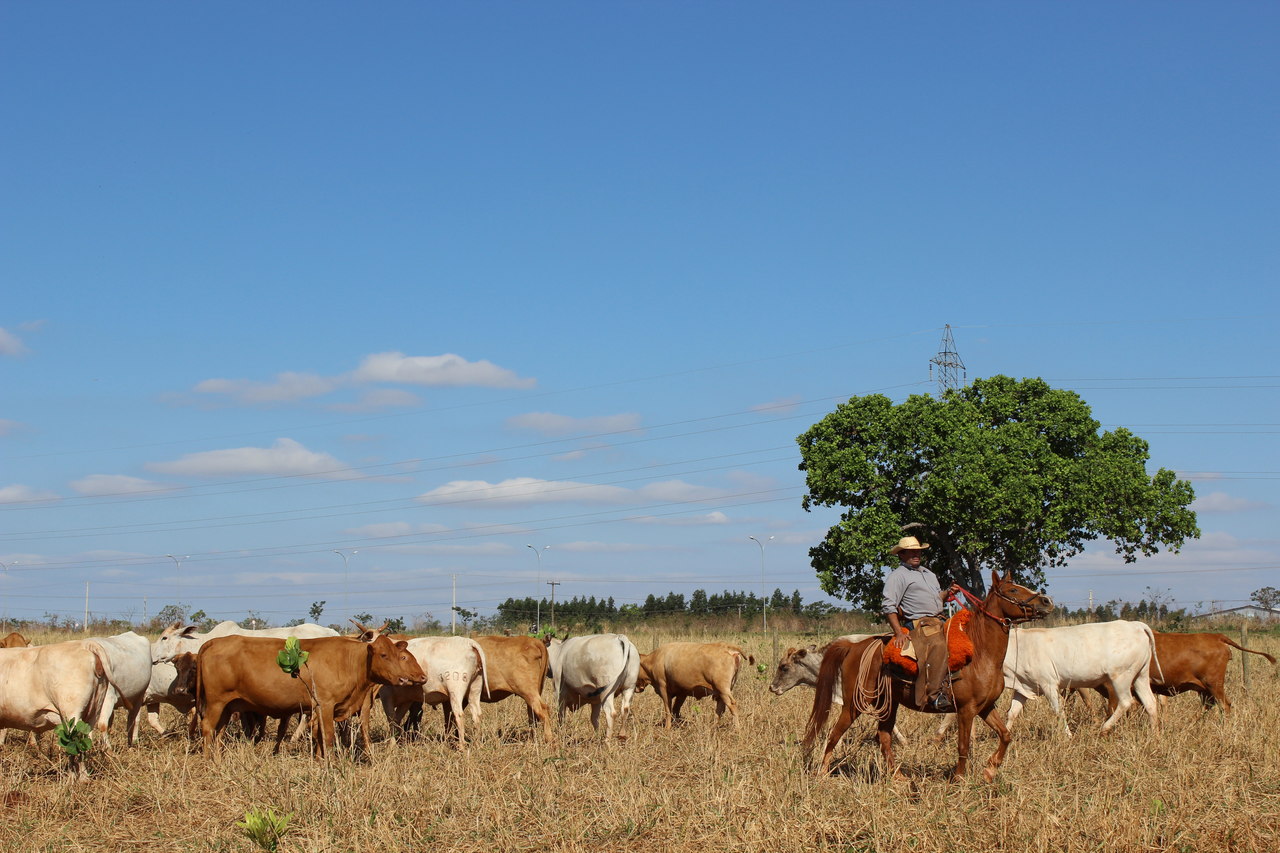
516	666
14	641
680	670
1195	662
237	673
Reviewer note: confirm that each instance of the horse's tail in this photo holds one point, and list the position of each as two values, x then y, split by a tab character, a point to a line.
1224	638
832	663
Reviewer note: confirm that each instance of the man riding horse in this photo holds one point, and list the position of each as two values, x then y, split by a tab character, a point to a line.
912	603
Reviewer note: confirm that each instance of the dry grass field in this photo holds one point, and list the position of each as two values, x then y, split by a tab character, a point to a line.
1205	782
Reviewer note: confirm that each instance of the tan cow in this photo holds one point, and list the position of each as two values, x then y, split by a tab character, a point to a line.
516	666
1195	662
678	671
44	686
237	673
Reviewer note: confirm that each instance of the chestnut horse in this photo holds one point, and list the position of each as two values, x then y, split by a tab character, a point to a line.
975	687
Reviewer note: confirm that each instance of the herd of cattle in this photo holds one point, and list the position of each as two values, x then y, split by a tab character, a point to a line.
232	671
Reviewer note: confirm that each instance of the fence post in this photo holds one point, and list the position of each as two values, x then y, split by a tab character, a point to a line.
774	659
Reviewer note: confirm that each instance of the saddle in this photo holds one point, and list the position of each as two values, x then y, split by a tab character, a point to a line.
959	648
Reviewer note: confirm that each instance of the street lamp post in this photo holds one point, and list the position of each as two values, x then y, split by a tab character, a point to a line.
346	582
537	620
764	602
6	594
178	578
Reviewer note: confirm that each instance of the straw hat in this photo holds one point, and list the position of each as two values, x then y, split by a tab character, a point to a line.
907	543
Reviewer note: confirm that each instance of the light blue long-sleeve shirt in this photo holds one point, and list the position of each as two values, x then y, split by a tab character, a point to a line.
916	591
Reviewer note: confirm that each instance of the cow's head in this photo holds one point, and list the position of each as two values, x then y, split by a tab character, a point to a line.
791	670
392	663
170	643
645	676
185	681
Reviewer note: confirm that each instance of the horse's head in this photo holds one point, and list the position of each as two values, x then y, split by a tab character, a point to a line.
1014	602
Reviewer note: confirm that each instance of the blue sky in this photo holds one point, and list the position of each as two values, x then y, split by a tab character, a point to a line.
428	283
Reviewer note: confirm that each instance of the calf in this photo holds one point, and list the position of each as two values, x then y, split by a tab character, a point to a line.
14	641
241	674
799	667
678	671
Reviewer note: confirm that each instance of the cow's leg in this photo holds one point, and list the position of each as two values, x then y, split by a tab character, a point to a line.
626	710
1142	686
134	723
538	710
595	716
1015	706
213	719
453	711
283	728
1124	698
677	705
1054	698
992	718
153	717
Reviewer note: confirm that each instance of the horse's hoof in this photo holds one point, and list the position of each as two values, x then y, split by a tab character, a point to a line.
989	774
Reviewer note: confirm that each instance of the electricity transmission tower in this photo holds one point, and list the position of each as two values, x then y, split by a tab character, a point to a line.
949	364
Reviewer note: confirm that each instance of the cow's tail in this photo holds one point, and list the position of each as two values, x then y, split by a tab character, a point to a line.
1270	658
101	682
832	663
484	668
1151	638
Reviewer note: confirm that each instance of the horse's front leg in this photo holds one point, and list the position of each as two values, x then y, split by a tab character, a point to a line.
964	733
993	719
885	731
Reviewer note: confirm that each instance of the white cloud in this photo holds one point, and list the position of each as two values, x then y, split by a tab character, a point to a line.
526	491
11	344
684	520
8	427
435	370
1222	502
18	493
287	388
114	484
553	425
522	491
284	458
378	399
479	549
393	529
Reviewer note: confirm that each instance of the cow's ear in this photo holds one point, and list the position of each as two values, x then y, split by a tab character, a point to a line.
402	645
796	653
189	632
176	626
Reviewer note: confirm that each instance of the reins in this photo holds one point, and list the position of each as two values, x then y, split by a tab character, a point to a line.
1005	622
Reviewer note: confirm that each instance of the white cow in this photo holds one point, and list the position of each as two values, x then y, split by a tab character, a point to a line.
44	686
127	658
176	639
591	670
455	668
799	667
1047	661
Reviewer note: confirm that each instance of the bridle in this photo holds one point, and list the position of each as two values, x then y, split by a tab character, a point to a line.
1028	611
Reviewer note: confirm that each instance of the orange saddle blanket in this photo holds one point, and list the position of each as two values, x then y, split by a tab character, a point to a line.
959	646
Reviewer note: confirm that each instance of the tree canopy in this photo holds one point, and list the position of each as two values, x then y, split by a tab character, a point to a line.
1002	474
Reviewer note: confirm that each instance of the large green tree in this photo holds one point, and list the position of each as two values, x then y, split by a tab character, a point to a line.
1002	474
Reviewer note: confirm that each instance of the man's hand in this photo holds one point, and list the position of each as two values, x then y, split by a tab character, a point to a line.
900	639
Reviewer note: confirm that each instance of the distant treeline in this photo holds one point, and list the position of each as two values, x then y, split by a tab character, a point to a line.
518	612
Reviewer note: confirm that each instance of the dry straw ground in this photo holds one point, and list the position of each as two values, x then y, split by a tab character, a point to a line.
1207	781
